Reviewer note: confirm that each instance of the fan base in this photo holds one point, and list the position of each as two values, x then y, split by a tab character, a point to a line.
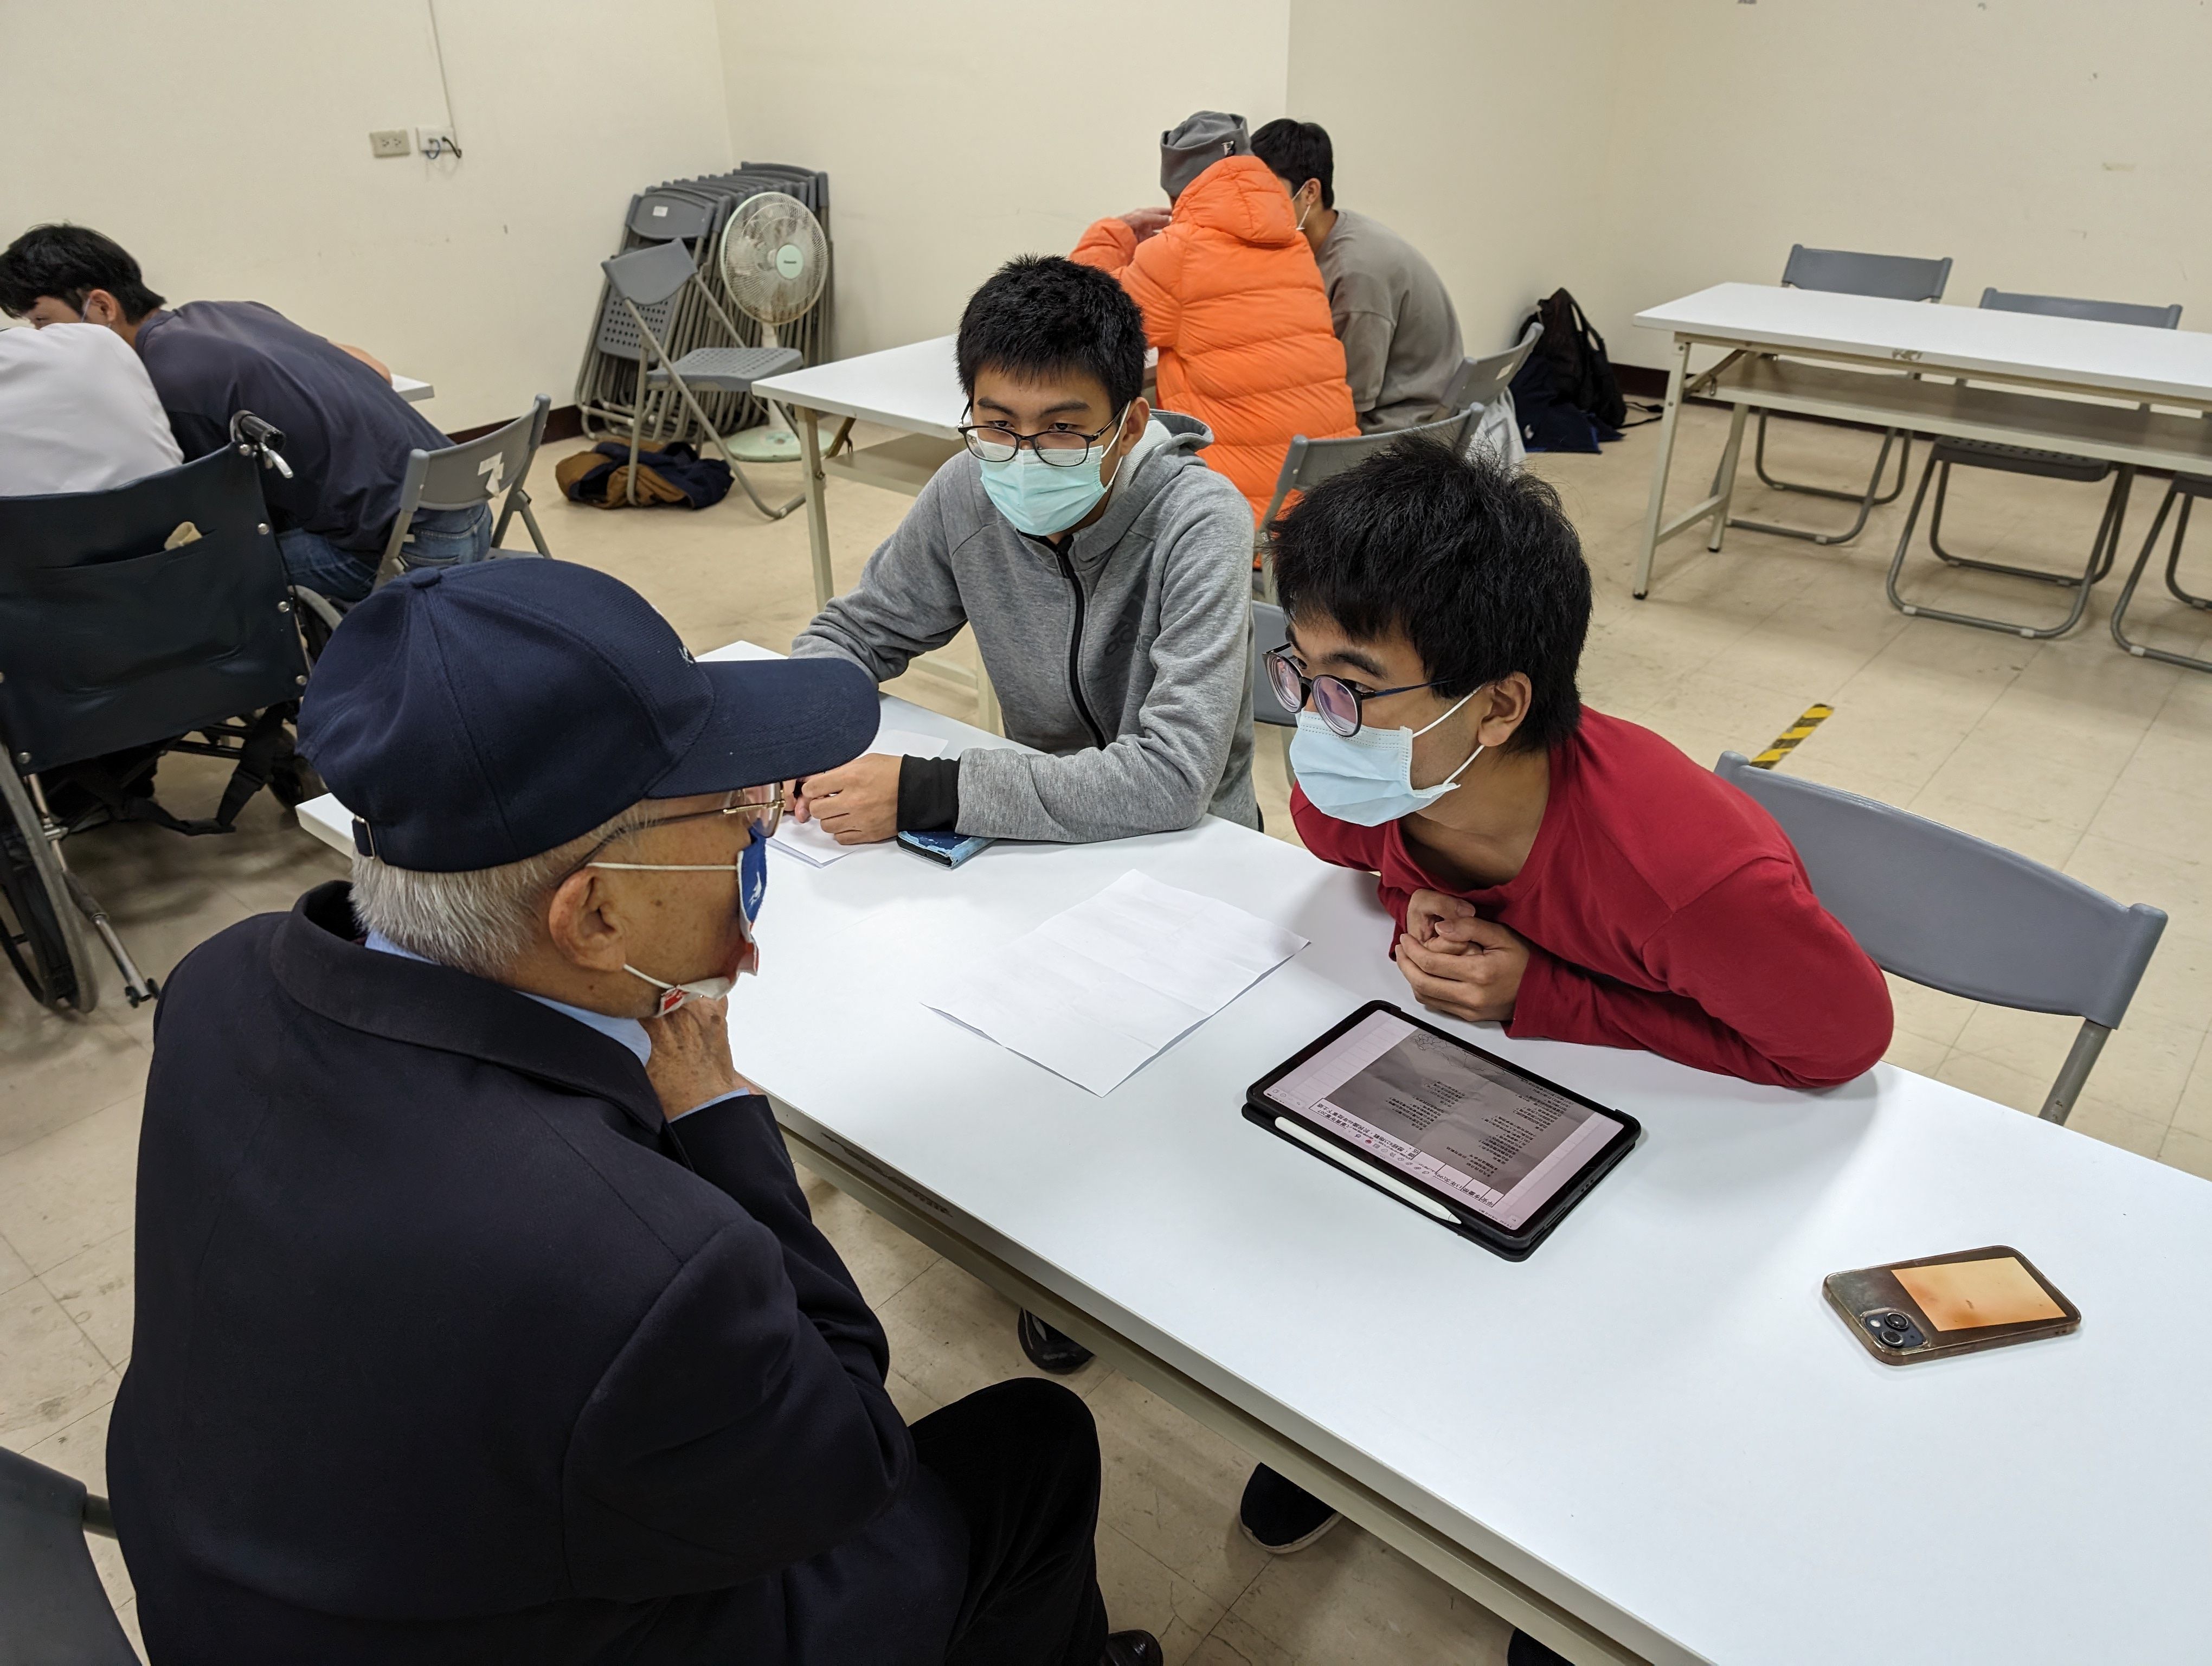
765	444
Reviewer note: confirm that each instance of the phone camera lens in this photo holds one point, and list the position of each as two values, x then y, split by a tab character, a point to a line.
1894	1330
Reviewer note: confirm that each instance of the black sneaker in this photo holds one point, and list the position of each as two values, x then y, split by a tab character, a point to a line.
1049	1349
1526	1651
1280	1515
1134	1648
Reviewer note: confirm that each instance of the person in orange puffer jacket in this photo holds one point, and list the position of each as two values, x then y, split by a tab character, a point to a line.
1234	301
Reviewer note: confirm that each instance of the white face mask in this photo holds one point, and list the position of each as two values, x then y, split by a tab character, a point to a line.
1367	778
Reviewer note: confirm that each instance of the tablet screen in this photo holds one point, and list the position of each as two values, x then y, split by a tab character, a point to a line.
1495	1142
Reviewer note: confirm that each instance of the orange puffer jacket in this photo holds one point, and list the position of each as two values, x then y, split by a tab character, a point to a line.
1235	303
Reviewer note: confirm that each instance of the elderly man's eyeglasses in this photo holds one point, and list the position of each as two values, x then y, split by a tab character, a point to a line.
766	814
1060	448
1336	702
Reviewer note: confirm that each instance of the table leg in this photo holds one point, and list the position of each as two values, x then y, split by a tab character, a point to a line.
1675	380
1725	477
817	513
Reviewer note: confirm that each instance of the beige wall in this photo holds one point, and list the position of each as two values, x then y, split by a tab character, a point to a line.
1631	149
226	146
2045	145
1453	123
958	133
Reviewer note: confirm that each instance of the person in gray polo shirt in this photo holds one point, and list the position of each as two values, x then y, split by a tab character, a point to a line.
1401	336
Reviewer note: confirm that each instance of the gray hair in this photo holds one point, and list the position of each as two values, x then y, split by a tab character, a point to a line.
481	920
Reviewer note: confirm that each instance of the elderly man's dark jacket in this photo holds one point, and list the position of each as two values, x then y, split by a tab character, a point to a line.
449	1348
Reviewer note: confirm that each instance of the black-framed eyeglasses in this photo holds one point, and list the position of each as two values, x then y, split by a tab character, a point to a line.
1336	701
1061	448
766	813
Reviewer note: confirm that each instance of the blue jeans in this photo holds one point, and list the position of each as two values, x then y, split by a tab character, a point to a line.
436	537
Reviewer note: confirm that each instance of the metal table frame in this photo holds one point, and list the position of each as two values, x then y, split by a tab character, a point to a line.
2022	405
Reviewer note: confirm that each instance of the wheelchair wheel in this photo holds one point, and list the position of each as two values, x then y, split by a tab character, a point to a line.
39	930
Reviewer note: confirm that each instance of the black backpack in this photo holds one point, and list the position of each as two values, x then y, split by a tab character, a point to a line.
1581	375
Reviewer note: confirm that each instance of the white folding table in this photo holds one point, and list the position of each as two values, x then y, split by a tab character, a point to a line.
2020	378
914	389
1651	1441
412	389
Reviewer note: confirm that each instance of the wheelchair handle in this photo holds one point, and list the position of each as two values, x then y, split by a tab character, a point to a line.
249	433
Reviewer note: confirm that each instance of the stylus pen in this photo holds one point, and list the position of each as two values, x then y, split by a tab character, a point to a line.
1365	1171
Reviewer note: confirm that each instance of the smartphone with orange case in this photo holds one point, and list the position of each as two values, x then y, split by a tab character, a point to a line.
1909	1310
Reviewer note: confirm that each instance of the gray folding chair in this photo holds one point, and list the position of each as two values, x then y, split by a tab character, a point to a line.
1959	914
1478	382
1841	271
1271	630
462	476
53	1609
647	277
2187	488
1309	462
1946	453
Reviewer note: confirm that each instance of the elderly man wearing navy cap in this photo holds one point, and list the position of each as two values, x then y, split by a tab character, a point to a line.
480	1316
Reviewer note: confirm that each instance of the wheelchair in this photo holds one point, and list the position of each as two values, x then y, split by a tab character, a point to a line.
155	617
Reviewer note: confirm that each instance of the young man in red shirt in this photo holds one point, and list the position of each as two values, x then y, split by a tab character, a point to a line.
1567	875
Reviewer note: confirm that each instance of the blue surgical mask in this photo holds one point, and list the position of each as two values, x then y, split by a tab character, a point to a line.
752	893
1041	499
1366	778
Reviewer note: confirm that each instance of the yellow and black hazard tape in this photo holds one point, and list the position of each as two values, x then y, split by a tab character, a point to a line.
1786	742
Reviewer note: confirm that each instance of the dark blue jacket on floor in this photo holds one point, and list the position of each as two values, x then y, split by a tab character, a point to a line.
450	1349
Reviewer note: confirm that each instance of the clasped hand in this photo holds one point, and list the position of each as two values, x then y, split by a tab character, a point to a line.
1457	963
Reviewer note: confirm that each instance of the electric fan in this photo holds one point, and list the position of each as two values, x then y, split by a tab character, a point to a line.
775	259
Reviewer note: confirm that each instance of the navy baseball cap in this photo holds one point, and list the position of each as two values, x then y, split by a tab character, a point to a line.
476	716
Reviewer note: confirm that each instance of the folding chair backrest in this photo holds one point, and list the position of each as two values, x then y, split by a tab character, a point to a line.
1309	462
662	216
2098	312
1476	382
1271	630
54	1611
108	640
1846	272
461	477
477	471
1957	913
649	276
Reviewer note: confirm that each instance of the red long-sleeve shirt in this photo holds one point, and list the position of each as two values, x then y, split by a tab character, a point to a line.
1663	910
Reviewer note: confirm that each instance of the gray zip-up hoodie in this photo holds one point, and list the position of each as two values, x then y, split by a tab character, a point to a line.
1122	655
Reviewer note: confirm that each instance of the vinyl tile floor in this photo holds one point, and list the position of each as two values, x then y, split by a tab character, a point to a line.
2068	751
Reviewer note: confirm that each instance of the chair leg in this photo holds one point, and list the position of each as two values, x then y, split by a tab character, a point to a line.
2140	650
2100	560
2173	565
737	473
2088	1042
530	518
2108	537
1725	476
1867	500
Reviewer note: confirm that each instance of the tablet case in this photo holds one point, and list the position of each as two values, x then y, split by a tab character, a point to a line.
1492	1237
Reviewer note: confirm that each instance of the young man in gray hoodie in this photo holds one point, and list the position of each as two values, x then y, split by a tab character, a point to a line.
1105	569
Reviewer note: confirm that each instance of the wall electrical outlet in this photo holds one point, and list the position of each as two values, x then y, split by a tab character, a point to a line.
389	142
436	142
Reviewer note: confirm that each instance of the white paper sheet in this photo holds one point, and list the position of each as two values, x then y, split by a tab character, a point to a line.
807	842
1097	990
